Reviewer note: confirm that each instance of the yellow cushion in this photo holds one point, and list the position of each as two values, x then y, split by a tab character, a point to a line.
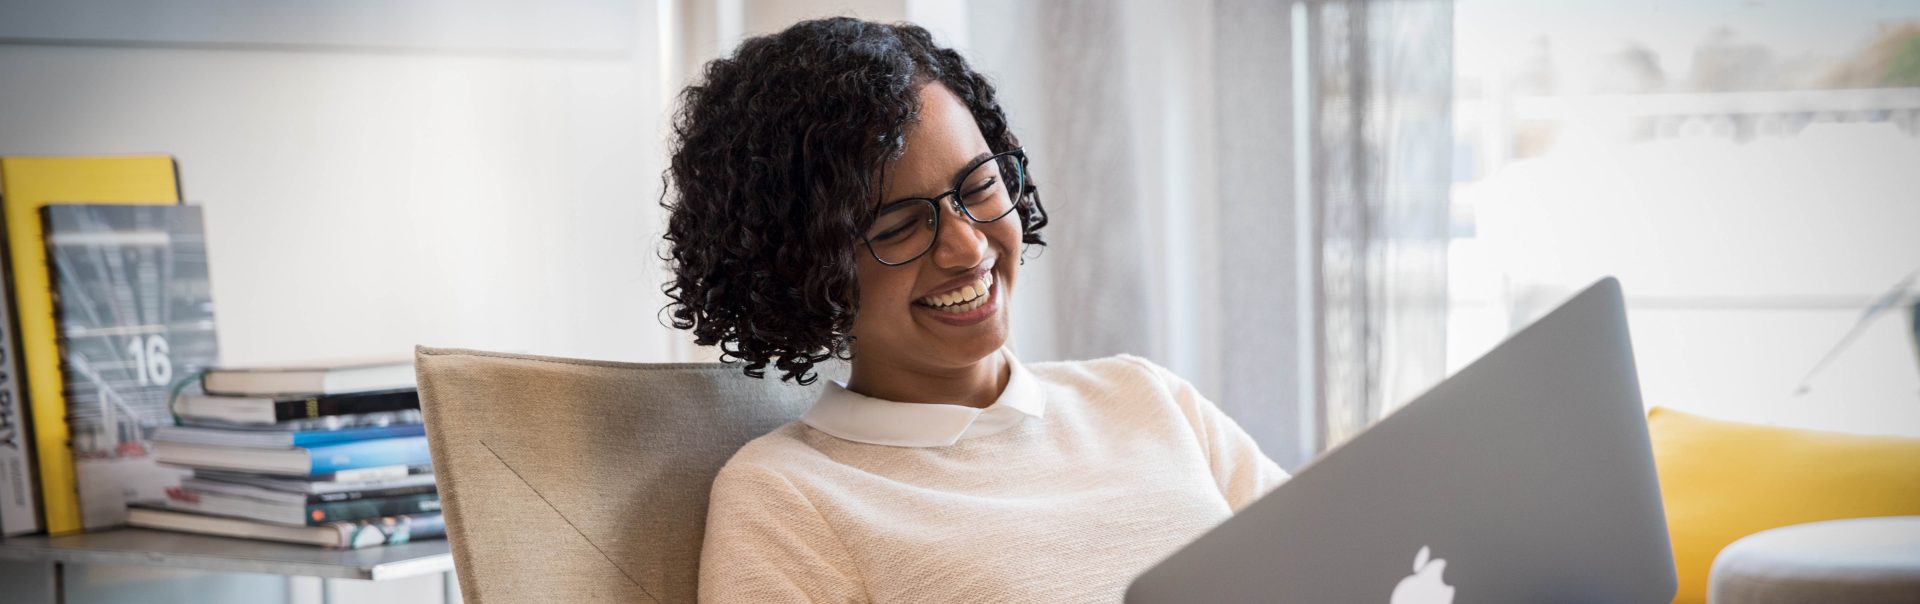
1725	480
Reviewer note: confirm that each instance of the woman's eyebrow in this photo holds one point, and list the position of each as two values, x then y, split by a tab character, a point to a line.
895	205
971	164
962	173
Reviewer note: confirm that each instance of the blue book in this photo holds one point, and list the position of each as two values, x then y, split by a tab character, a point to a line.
299	461
281	439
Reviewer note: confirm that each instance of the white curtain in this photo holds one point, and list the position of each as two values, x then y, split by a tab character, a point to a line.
1251	193
1380	80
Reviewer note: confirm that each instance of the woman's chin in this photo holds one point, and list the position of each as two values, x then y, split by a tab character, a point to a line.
969	339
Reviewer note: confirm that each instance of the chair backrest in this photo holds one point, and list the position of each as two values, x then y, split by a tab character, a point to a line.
566	480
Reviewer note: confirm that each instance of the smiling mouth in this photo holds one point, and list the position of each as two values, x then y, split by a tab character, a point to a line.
966	298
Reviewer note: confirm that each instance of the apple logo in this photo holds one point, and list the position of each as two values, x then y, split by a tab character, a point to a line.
1424	586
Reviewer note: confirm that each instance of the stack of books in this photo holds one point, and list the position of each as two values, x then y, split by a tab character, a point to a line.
107	323
332	456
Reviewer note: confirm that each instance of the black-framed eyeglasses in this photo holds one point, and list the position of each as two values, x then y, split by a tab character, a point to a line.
988	190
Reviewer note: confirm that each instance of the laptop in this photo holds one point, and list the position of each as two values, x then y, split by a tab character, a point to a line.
1526	477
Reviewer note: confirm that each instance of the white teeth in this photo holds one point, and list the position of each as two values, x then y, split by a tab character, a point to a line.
972	294
965	306
964	299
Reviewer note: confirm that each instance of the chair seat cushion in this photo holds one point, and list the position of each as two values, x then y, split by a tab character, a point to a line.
1858	560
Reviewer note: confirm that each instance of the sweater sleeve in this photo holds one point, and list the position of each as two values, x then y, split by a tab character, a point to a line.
1239	468
765	542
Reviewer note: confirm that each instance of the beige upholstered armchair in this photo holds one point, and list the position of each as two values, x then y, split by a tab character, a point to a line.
566	480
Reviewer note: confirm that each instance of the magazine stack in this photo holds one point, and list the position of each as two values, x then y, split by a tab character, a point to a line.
331	456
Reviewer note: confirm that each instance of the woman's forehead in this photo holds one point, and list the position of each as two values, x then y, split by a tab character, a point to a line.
943	141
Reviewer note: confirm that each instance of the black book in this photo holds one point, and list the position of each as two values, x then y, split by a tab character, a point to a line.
203	485
271	410
333	378
299	513
361	480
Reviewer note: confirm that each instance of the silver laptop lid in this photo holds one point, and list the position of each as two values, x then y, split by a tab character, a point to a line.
1526	477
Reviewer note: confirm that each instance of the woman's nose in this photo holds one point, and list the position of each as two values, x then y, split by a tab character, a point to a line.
961	245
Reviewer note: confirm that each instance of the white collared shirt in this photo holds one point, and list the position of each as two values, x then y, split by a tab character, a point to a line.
866	500
860	418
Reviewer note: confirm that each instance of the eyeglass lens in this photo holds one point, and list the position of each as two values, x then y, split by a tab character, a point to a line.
906	229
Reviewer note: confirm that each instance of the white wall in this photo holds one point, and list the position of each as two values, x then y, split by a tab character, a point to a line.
361	202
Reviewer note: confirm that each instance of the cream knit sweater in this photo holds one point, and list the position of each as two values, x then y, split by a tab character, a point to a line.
1127	464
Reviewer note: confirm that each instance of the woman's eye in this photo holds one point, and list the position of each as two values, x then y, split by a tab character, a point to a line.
892	233
899	226
982	191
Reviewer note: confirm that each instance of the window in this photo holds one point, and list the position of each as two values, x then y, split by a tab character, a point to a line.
1749	170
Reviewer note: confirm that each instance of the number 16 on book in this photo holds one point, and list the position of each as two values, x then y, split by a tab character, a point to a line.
149	354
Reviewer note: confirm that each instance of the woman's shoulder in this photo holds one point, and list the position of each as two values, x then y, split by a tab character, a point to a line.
1120	370
787	454
1122	381
1121	385
767	449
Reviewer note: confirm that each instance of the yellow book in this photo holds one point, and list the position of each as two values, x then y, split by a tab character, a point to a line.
26	185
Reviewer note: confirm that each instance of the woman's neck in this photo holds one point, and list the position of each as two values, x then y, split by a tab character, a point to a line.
977	385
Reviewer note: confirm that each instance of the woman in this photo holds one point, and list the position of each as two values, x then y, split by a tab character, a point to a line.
849	189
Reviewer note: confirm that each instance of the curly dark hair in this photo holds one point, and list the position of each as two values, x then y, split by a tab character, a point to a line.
777	161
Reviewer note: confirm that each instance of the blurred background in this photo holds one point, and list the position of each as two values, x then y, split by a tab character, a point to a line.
1313	210
1746	168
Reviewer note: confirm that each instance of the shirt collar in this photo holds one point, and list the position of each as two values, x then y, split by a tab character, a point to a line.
853	416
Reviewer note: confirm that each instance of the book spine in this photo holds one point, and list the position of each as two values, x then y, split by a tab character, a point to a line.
323	513
330	459
327	437
352	404
371	494
370	473
19	502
